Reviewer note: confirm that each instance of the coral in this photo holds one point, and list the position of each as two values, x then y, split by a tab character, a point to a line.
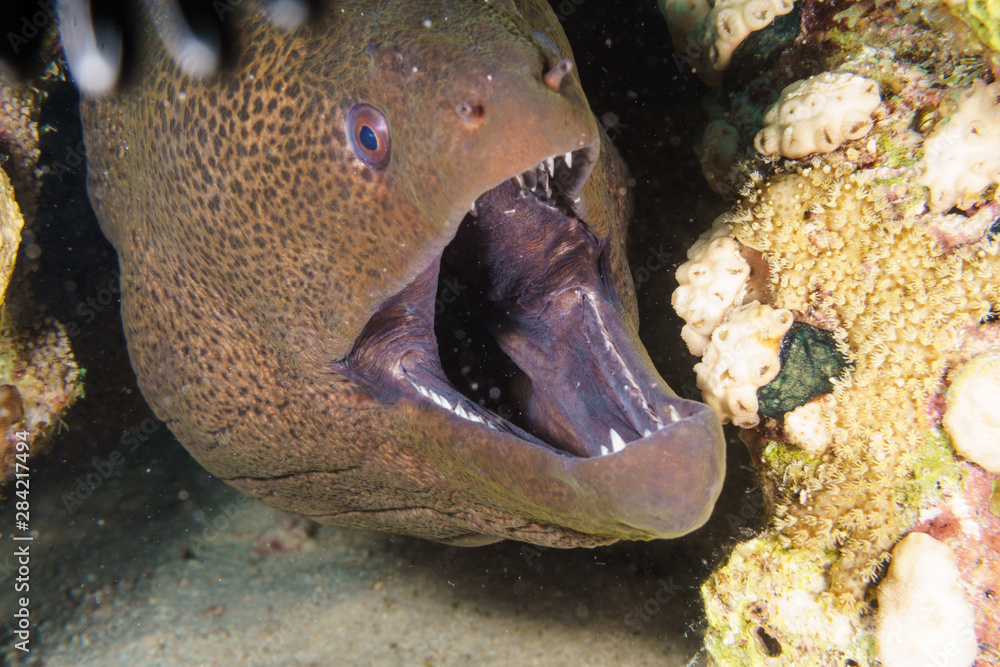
810	361
904	310
770	606
11	406
962	156
818	114
965	515
731	21
684	19
11	223
983	16
924	616
971	417
19	152
39	379
719	145
805	426
708	34
711	281
741	357
907	296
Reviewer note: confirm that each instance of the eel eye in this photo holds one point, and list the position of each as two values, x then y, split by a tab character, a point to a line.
368	135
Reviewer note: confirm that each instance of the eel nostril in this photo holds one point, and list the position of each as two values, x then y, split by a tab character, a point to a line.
553	78
470	111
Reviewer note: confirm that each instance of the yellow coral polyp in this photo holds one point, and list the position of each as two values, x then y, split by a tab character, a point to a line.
906	310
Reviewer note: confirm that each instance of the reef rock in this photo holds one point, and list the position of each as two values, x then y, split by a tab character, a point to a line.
905	297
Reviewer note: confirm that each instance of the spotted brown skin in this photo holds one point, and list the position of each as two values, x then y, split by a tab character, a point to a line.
278	289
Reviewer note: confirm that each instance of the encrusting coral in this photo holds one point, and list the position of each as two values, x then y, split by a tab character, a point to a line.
39	379
904	309
11	223
818	114
711	281
924	616
709	33
742	357
717	154
904	295
730	22
972	417
983	16
962	157
19	152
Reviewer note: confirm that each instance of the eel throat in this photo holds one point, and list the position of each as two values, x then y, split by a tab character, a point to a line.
531	273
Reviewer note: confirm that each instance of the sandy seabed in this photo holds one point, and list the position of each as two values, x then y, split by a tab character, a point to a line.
162	564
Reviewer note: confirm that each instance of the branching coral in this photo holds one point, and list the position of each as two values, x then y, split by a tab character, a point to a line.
818	114
962	157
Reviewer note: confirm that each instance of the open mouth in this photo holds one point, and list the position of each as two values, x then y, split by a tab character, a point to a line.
516	327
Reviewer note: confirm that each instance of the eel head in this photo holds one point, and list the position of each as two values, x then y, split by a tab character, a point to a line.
375	274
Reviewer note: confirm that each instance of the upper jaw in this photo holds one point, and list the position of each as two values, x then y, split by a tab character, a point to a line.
560	174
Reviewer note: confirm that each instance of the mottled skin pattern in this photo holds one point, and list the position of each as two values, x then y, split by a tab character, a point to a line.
254	246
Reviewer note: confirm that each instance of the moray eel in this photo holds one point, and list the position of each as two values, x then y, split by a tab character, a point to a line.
284	226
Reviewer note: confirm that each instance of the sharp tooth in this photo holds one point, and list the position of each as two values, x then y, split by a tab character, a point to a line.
440	400
520	180
674	415
604	450
569	159
550	164
646	433
472	210
423	392
617	442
